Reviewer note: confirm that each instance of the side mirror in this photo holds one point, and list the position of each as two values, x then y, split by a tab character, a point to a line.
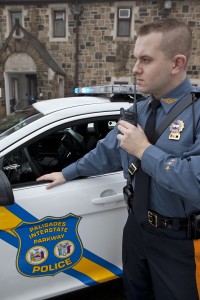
6	193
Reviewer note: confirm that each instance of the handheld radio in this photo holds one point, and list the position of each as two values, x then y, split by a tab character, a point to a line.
127	115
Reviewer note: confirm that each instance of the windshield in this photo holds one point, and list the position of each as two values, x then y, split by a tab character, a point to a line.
17	120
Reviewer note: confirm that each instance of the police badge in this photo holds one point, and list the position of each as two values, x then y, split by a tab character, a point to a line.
175	128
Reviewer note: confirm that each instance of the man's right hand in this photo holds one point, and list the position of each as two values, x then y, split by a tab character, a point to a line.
57	178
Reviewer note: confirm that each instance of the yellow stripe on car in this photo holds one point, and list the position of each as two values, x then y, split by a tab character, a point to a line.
93	270
8	220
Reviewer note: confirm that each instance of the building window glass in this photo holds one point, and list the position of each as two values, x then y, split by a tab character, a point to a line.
121	82
15	15
124	22
59	21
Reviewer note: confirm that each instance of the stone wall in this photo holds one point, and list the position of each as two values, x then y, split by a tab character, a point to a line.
103	59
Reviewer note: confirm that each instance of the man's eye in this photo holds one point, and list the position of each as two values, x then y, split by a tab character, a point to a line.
145	60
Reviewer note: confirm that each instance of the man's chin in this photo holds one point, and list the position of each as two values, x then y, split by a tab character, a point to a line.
143	90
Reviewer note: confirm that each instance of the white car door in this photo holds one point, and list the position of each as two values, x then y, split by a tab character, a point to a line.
59	240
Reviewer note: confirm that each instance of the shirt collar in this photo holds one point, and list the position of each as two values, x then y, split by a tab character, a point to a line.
171	98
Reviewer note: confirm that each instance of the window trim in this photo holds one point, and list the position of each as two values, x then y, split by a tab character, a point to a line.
58	8
124	20
12	12
133	10
8	11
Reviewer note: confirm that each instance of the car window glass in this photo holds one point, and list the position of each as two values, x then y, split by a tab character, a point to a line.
55	150
17	120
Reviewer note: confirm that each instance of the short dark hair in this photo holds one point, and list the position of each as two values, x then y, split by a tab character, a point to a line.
177	36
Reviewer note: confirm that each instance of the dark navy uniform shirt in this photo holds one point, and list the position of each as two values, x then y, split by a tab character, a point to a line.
173	162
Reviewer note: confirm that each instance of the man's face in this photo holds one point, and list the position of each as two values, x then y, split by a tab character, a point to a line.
153	69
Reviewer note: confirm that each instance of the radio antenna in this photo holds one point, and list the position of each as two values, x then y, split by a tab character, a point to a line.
135	101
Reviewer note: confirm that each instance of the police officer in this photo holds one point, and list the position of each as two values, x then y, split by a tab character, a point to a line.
161	255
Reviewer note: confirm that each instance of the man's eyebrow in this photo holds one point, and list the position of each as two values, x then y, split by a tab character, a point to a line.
143	56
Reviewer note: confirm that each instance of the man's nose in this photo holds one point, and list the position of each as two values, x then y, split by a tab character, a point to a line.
136	69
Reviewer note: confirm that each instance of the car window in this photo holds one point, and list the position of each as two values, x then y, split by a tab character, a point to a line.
17	120
55	150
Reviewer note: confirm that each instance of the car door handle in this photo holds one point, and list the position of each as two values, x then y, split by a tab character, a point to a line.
108	199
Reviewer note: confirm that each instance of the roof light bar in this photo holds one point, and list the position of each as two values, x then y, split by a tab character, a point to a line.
107	89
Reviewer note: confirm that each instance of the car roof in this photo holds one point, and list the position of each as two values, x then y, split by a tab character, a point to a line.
50	106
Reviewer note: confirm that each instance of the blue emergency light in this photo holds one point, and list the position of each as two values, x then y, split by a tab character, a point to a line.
107	89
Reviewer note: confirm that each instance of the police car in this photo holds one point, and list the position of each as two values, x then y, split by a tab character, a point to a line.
67	238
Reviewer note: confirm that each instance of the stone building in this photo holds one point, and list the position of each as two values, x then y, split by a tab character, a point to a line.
48	47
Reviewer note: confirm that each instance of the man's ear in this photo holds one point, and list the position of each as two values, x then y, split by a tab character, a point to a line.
179	63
